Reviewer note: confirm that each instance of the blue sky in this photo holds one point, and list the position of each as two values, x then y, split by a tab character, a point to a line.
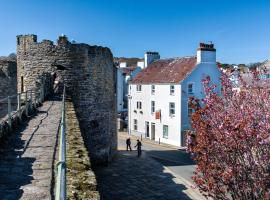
240	29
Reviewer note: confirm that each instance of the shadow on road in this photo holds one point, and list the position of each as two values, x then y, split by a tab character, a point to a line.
129	177
171	157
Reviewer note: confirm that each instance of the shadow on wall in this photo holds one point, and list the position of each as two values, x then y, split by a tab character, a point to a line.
129	178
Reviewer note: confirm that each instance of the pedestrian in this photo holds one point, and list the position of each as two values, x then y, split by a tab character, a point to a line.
139	148
128	142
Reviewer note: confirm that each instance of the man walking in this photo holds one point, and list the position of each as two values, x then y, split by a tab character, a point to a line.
139	148
128	142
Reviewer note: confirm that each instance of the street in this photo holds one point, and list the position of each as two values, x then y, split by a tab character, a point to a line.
178	161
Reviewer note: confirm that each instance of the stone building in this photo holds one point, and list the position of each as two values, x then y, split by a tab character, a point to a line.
90	78
8	82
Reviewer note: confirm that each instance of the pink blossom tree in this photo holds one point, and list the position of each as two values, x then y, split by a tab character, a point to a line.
232	145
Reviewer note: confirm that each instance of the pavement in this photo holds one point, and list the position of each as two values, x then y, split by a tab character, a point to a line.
150	177
27	156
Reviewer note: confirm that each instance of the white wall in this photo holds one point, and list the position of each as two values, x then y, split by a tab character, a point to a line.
162	98
123	64
140	64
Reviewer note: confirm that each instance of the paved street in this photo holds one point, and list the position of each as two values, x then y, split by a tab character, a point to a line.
178	161
129	177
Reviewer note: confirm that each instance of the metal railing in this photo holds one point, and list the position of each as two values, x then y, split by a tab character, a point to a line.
19	103
61	165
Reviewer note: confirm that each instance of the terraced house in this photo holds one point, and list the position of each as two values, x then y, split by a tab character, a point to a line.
158	95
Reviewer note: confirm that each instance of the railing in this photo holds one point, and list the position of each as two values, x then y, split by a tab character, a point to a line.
19	103
61	165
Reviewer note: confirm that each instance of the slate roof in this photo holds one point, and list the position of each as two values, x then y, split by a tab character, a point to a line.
166	71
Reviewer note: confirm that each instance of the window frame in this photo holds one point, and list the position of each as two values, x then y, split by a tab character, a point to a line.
193	87
166	136
135	124
172	108
139	105
138	88
172	89
153	106
153	89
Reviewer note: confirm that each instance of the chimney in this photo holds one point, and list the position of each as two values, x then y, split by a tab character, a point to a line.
206	53
150	57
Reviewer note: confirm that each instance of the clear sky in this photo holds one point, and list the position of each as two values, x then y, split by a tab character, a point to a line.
240	29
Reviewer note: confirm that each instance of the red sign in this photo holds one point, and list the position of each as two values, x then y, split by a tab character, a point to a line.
158	114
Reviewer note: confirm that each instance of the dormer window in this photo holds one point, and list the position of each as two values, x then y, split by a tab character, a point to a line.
139	88
190	88
153	89
172	90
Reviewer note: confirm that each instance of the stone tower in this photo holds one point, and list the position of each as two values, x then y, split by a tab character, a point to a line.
89	75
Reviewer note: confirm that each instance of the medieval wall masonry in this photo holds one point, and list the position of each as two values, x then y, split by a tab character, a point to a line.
89	75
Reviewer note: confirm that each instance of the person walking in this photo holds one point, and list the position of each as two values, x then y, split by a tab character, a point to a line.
128	142
139	148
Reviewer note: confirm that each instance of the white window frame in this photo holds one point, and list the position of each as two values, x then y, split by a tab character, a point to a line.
153	106
171	108
135	124
193	87
153	89
166	136
139	105
172	89
138	88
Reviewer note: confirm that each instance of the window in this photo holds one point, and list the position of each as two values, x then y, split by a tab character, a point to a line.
190	88
153	107
172	90
139	105
153	89
165	131
172	108
190	111
135	124
139	87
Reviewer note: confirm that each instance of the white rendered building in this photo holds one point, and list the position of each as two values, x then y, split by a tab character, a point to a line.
158	95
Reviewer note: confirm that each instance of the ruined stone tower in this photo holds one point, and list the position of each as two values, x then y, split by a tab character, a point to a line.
89	76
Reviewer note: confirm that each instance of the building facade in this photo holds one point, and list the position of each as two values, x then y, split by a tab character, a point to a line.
126	72
159	95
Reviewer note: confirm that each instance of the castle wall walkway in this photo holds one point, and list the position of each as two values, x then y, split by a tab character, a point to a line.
27	157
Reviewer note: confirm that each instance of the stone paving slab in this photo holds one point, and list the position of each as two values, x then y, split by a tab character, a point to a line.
129	178
27	157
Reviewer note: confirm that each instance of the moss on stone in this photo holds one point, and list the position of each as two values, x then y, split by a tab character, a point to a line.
81	180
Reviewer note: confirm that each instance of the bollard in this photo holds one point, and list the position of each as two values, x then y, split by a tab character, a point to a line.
19	105
158	140
9	112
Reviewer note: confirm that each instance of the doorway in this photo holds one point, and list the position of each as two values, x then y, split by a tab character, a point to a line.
153	131
147	132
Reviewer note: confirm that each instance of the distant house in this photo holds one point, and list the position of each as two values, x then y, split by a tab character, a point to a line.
159	94
264	69
127	69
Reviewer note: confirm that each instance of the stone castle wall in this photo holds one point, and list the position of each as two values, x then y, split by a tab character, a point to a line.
8	83
89	76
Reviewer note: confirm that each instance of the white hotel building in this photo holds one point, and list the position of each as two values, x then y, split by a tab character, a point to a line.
158	95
